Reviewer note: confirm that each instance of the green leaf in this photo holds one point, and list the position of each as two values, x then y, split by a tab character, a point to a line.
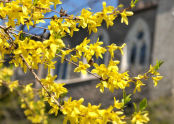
158	64
22	36
143	104
133	2
136	1
124	94
126	98
58	51
135	106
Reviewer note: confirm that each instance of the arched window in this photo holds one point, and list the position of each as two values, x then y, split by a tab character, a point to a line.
103	36
137	51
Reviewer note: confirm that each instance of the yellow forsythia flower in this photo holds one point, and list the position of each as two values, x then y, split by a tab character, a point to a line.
82	67
117	104
124	15
156	79
140	118
13	85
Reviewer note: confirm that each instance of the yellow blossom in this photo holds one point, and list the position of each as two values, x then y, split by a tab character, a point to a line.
138	85
82	67
13	85
117	104
124	15
140	118
156	79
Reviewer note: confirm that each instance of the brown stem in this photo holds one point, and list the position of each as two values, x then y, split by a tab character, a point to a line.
28	34
48	9
37	78
74	18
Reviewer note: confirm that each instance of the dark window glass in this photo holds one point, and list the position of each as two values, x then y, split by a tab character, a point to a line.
65	65
133	54
140	35
57	70
61	69
143	54
100	38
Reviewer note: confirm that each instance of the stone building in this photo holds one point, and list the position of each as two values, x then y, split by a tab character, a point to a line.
149	36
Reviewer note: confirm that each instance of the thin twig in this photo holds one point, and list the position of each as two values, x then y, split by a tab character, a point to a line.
38	79
48	9
40	27
28	34
68	17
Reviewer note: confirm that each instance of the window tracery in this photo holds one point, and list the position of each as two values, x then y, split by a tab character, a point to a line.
137	50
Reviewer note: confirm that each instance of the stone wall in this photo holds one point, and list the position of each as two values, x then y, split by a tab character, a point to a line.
164	48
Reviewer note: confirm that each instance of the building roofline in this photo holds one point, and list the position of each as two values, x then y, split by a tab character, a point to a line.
143	7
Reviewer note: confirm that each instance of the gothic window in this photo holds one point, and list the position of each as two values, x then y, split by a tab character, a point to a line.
137	51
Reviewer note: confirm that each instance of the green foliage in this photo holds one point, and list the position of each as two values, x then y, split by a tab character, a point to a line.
133	2
143	104
135	107
126	98
158	64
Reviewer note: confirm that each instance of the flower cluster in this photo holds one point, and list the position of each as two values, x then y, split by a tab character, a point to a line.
28	54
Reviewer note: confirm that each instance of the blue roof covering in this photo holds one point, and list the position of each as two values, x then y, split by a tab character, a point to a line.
73	7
